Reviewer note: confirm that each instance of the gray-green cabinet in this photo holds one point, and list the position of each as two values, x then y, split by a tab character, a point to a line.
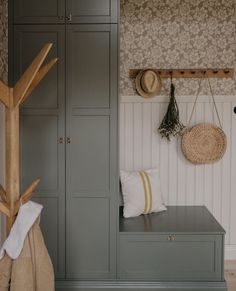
42	126
92	174
66	11
69	140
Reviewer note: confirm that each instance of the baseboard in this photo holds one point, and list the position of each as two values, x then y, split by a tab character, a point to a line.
230	252
140	286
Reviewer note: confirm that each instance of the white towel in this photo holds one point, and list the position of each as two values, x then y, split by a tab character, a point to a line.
27	215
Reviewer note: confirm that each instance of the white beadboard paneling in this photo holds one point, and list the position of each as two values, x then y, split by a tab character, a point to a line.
233	181
129	135
217	175
137	150
181	161
183	183
190	177
164	160
147	135
226	178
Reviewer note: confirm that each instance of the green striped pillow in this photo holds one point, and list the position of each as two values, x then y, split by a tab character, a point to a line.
141	192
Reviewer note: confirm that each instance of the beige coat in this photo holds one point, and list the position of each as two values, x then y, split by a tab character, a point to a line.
32	270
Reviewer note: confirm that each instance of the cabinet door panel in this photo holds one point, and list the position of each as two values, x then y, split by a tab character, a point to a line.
88	251
50	226
93	11
39	151
89	156
42	124
89	62
43	11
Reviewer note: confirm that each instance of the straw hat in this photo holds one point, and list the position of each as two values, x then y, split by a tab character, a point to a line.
204	143
148	83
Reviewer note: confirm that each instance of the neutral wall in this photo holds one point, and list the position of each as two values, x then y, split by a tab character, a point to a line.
180	34
3	76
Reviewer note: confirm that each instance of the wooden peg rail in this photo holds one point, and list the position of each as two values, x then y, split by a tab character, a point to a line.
189	73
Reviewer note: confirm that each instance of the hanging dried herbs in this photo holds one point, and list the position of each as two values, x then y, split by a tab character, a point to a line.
171	125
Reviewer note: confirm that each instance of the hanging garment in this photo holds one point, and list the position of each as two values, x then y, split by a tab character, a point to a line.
5	273
25	263
33	270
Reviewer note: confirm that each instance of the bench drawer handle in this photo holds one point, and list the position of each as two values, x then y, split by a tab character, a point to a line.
171	237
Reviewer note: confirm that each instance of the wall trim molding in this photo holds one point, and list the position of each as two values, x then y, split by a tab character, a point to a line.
142	286
180	99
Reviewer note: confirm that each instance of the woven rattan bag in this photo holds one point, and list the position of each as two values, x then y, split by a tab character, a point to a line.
204	143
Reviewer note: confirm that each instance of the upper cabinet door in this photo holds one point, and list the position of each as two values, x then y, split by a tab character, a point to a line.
92	11
43	11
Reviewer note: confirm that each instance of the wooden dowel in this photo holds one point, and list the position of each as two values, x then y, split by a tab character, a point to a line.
26	196
28	193
3	194
39	76
4	94
12	158
27	78
4	208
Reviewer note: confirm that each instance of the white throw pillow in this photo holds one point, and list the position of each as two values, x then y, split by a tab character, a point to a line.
141	192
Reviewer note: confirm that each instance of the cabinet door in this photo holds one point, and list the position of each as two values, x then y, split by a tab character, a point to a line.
42	124
92	181
35	11
92	11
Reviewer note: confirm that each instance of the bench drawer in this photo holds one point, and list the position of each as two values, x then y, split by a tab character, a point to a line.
171	257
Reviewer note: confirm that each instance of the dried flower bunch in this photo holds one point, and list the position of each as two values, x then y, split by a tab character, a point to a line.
171	125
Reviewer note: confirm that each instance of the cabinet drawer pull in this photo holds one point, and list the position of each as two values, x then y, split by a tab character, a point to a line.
60	18
68	140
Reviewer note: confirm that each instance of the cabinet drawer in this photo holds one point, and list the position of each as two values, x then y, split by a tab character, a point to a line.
171	257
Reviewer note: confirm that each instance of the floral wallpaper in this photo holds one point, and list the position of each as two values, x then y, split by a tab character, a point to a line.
178	34
3	40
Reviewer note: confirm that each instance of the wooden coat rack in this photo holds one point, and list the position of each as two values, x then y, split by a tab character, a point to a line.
12	98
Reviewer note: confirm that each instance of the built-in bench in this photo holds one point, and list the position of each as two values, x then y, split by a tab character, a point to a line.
184	243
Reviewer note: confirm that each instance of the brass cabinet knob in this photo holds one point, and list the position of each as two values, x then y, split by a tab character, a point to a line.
61	140
171	237
69	17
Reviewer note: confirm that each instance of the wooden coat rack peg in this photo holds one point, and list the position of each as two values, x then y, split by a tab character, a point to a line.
12	98
188	73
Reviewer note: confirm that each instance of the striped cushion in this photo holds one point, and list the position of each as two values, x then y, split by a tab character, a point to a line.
141	192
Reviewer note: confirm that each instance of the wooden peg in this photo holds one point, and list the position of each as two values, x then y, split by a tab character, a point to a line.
39	76
26	196
3	194
4	208
4	94
27	78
